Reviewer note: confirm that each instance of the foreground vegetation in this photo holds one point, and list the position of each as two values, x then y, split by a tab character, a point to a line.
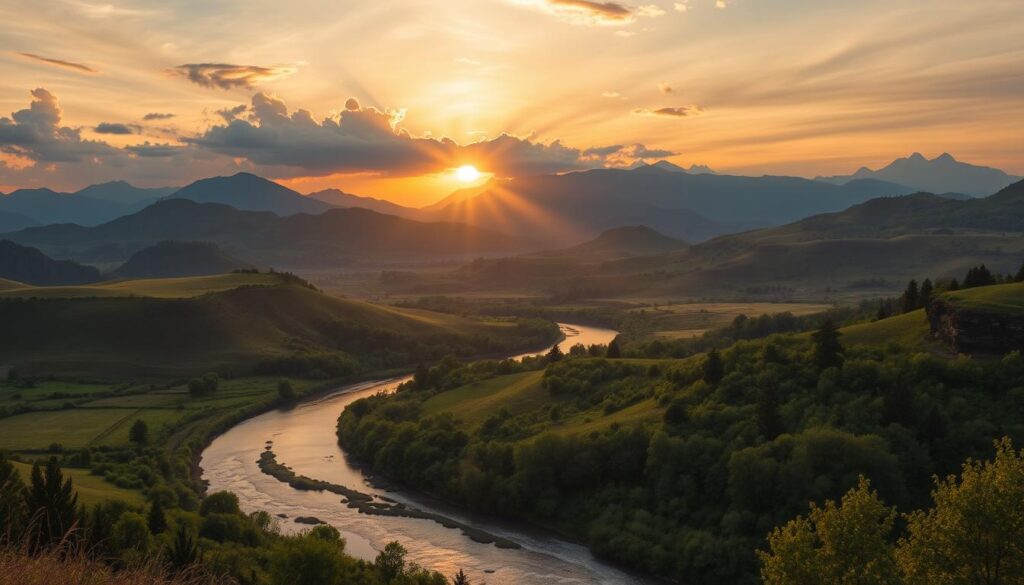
101	473
681	467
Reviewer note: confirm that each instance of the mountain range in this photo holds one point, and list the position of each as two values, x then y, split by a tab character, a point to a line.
942	174
334	238
578	206
886	241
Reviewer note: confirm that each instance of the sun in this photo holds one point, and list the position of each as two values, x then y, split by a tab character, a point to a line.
467	173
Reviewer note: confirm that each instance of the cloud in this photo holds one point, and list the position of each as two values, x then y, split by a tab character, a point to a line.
588	12
115	128
681	6
157	116
639	151
36	133
664	88
364	139
650	11
230	114
676	112
228	76
60	63
612	94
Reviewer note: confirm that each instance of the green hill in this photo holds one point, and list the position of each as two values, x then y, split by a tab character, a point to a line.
175	259
1006	298
238	323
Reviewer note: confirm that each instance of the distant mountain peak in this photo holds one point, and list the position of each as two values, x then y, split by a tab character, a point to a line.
942	174
251	192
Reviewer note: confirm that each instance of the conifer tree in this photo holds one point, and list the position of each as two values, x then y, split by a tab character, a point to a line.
828	352
613	352
714	369
52	504
157	521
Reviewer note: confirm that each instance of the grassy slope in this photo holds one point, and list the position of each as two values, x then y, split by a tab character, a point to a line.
168	288
160	335
1006	298
520	393
6	285
91	489
910	329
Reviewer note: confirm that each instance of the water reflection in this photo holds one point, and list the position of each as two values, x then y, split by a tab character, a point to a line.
304	439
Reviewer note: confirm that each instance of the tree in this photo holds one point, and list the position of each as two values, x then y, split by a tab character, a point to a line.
208	384
308	560
974	533
460	578
828	352
139	433
1019	277
844	544
285	391
156	521
909	300
421	378
954	285
390	563
555	355
613	352
52	504
927	291
978	276
219	503
714	369
12	502
769	420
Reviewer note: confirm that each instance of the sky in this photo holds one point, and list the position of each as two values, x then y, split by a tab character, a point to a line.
388	99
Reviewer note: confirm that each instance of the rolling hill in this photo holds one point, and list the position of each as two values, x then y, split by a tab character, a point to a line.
622	242
942	174
176	259
30	266
259	317
249	192
579	206
338	198
333	238
887	240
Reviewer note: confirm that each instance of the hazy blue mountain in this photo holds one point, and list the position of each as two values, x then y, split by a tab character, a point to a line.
942	174
46	206
578	206
175	259
623	242
333	238
249	192
12	222
123	192
30	266
338	198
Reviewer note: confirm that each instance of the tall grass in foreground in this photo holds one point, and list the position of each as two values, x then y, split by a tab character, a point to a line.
56	568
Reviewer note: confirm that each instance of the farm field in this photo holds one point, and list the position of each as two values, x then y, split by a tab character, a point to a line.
95	415
91	489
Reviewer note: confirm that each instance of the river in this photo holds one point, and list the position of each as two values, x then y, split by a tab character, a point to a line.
304	438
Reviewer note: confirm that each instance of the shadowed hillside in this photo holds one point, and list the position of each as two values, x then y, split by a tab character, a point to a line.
29	265
174	259
271	323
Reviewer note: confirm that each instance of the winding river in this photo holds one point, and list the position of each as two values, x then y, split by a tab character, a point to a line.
304	438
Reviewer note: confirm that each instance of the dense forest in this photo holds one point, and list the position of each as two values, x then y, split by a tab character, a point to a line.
743	439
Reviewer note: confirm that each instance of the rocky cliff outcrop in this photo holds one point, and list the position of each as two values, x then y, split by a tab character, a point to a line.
974	331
